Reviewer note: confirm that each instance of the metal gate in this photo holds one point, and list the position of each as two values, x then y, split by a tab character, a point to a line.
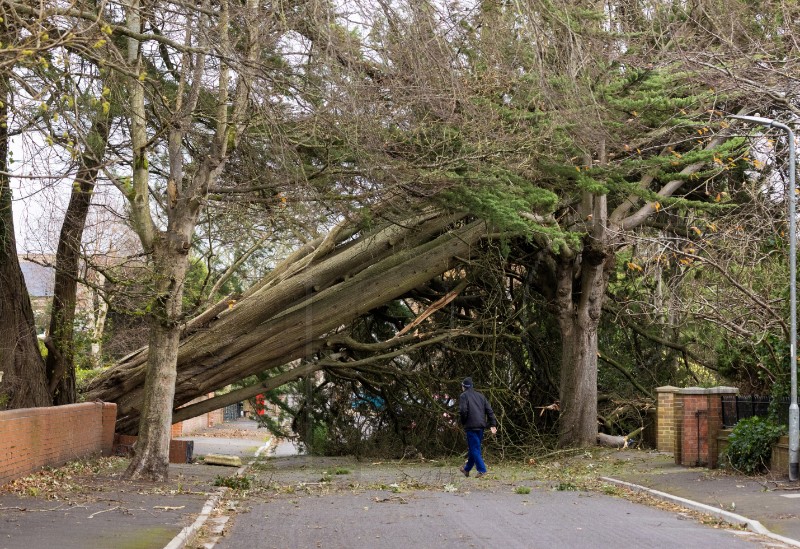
232	412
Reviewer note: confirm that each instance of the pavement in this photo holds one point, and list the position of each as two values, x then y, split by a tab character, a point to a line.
72	508
767	504
75	508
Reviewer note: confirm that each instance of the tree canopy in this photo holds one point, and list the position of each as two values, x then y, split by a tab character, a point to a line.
527	187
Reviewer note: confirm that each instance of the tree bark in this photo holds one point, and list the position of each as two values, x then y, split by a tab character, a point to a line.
151	459
581	284
60	363
22	375
578	389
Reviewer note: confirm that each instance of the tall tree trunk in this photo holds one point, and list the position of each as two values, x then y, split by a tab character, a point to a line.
152	447
578	389
22	375
99	315
581	284
60	341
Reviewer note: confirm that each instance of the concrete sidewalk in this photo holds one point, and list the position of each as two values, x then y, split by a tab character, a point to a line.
772	502
101	511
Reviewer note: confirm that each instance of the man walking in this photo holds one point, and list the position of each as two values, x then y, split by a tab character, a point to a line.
474	410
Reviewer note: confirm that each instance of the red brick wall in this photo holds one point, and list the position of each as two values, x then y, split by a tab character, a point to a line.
677	446
178	449
695	443
714	428
216	417
191	425
32	438
696	436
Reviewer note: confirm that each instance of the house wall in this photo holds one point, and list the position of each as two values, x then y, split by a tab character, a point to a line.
192	425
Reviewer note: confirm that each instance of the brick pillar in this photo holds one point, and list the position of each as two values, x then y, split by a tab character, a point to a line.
677	441
715	395
694	432
109	422
666	419
700	426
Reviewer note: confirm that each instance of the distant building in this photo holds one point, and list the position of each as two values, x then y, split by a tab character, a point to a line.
40	279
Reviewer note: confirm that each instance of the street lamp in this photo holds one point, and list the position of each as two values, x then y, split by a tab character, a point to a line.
794	411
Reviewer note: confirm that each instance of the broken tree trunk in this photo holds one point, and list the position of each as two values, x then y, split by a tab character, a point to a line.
288	315
613	441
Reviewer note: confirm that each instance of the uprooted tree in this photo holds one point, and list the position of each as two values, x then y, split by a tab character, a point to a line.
297	310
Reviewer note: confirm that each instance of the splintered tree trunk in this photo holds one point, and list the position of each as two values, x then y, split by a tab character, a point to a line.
22	376
290	314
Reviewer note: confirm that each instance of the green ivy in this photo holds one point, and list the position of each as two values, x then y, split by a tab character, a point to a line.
750	444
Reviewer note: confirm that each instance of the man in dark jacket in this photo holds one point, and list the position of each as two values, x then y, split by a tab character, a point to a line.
474	411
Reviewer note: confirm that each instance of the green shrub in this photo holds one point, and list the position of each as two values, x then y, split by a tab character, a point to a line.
750	444
84	377
235	482
319	440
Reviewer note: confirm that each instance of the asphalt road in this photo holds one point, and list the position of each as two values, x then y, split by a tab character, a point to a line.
317	503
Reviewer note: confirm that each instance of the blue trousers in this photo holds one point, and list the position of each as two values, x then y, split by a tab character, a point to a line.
474	458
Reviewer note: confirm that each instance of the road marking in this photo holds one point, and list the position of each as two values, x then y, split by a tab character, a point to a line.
791	496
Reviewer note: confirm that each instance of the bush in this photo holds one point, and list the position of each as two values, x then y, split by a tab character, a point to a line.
84	377
235	482
750	444
319	440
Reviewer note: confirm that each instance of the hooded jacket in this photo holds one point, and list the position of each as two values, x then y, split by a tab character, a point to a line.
474	409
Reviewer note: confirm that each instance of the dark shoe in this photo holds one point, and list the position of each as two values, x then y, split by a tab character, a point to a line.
479	475
463	471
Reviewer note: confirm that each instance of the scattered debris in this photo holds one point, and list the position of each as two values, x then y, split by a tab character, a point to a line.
221	459
103	511
398	499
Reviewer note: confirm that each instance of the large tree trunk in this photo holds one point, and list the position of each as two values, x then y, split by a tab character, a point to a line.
578	389
60	342
22	375
151	460
581	284
289	315
185	199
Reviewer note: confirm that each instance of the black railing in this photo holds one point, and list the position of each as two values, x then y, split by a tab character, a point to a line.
735	408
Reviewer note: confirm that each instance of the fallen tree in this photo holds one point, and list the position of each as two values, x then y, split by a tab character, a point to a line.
293	312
